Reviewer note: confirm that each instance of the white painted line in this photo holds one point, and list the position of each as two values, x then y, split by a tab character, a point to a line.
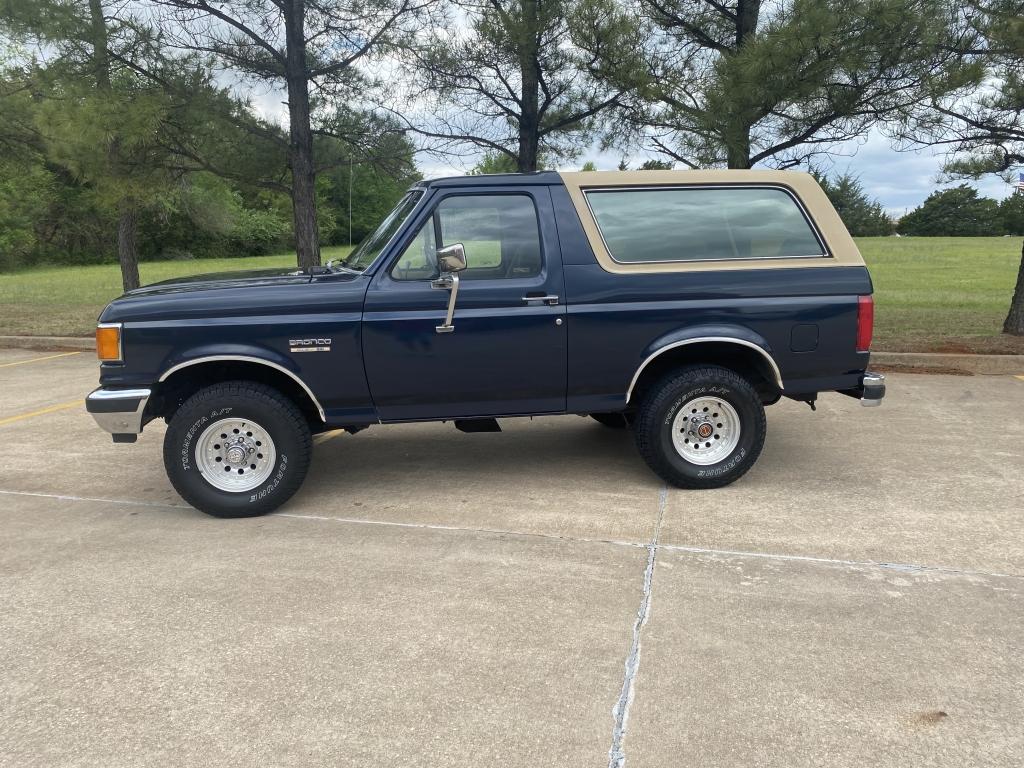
909	567
458	529
38	359
126	502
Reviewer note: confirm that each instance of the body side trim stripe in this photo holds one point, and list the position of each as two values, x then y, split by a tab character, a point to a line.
698	340
248	359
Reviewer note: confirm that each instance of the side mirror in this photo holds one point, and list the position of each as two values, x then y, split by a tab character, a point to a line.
451	258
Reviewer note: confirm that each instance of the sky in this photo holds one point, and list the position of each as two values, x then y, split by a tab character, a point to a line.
900	180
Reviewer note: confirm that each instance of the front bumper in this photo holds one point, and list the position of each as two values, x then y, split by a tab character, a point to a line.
119	411
872	389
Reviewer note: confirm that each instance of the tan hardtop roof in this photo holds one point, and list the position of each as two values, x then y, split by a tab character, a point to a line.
686	176
842	250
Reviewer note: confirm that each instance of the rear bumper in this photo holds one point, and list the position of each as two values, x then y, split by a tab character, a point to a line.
119	411
872	388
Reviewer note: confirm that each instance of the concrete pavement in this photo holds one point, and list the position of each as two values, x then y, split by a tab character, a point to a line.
547	602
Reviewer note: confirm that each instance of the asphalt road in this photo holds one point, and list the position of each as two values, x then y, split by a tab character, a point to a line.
857	599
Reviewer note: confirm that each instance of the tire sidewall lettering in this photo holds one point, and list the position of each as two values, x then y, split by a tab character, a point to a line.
190	433
714	391
271	485
730	463
186	445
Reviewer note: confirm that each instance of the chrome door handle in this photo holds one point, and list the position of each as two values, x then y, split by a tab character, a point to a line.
549	300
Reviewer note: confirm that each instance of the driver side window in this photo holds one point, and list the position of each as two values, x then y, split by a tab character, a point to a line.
499	232
419	259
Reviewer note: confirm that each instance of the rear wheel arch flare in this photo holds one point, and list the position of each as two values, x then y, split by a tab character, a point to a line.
741	355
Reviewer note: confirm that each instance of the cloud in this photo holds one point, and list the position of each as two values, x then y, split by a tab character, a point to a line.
902	180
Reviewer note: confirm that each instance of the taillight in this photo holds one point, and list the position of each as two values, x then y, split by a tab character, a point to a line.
865	322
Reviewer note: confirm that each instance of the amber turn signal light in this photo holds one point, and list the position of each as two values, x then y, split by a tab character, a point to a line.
108	343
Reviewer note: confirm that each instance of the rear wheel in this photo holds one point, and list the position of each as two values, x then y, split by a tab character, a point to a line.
237	449
701	427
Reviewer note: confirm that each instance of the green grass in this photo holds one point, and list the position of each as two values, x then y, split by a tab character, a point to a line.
64	301
931	293
942	293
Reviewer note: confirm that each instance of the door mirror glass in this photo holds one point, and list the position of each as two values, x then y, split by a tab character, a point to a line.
451	258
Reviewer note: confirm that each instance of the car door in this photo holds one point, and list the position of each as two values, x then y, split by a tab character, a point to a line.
506	353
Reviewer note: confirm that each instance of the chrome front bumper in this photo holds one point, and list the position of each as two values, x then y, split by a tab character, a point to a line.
118	411
872	389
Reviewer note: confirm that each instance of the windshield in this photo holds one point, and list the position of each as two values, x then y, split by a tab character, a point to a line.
369	249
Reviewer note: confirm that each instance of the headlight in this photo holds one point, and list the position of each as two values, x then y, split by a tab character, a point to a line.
108	342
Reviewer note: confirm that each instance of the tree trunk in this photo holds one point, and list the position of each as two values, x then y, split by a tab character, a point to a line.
1014	323
737	136
127	217
127	245
529	70
738	147
747	13
528	150
300	145
100	54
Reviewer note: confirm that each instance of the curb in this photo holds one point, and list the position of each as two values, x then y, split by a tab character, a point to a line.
980	364
47	343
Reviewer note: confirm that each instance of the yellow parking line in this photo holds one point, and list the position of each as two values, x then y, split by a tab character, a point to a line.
323	437
1020	377
42	411
38	359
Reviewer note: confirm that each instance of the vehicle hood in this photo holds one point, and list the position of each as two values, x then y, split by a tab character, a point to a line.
239	279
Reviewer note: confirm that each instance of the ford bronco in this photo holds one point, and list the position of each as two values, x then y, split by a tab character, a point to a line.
677	304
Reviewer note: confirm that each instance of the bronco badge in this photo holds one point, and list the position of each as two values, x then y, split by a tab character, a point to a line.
309	345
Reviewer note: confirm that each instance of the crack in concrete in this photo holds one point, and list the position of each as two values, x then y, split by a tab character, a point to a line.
620	712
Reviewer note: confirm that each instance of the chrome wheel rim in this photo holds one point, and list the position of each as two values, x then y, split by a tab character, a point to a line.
235	455
705	430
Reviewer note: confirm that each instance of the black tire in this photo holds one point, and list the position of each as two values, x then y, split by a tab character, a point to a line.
278	415
611	420
657	414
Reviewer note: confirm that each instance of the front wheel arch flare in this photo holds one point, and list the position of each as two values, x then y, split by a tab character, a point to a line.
183	380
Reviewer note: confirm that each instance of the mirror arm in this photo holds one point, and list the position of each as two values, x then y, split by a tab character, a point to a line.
450	282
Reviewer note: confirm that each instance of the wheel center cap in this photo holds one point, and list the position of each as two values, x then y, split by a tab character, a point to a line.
236	454
705	430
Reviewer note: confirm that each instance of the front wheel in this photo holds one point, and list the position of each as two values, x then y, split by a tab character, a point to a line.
701	427
237	449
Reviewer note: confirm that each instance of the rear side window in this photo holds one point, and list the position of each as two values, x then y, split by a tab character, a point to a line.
702	224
